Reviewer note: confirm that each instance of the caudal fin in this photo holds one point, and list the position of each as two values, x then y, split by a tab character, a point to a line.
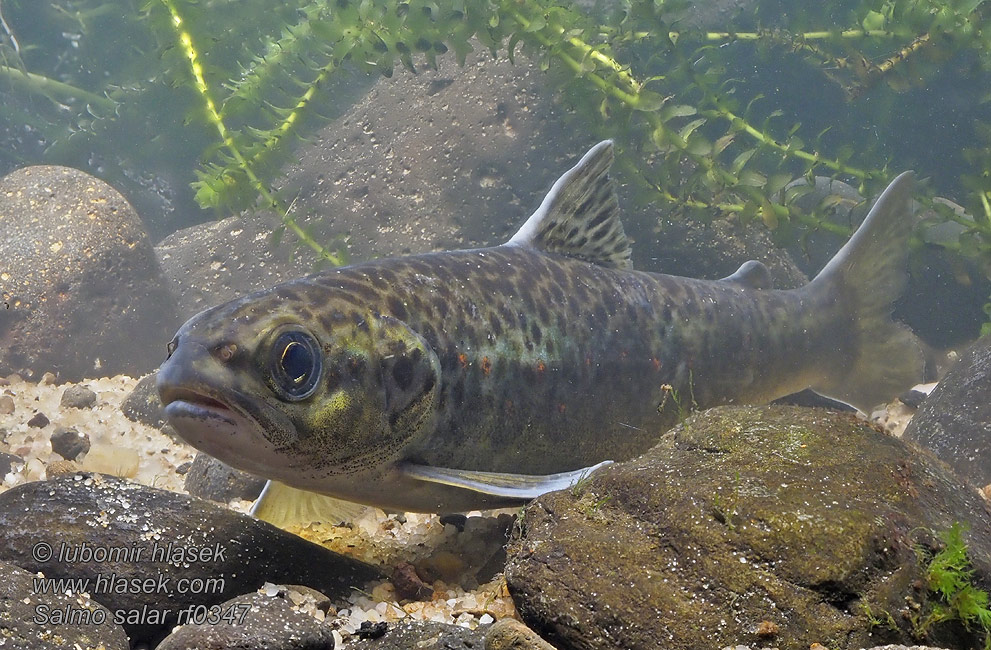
868	274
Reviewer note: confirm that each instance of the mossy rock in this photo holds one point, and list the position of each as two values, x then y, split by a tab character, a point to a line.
803	525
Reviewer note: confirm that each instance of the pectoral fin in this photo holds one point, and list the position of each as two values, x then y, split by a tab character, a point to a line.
284	506
519	486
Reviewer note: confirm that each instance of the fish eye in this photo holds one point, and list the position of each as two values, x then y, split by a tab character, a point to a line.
295	365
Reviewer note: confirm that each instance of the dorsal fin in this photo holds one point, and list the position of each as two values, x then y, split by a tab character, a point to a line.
579	217
752	275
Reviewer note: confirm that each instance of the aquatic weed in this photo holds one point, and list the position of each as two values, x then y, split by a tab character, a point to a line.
950	577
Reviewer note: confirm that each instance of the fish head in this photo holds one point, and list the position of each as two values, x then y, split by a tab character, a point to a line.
271	385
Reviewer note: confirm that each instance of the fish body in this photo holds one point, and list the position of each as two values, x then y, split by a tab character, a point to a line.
469	379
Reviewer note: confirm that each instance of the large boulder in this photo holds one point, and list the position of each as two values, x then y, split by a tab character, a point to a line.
955	420
149	554
773	525
33	617
83	295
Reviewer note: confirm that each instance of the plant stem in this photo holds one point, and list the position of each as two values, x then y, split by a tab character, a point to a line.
52	89
196	68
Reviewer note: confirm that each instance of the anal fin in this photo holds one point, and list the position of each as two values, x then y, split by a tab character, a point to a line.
518	486
284	506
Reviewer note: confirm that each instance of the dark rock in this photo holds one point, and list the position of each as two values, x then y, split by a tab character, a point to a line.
409	585
78	512
490	141
7	462
33	620
807	519
39	421
209	478
955	420
457	520
913	398
183	468
369	630
143	404
76	265
510	634
68	443
78	397
418	634
252	622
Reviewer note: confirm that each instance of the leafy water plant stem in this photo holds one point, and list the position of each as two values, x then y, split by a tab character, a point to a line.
214	117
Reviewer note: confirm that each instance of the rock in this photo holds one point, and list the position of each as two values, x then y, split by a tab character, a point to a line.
266	619
6	404
954	422
490	141
85	293
418	634
39	421
33	620
209	478
679	245
61	467
7	462
218	554
78	397
510	634
913	398
803	518
409	585
143	405
69	443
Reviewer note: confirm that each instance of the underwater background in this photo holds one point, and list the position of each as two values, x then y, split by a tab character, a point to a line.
196	110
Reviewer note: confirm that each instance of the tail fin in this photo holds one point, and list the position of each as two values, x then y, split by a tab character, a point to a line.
868	274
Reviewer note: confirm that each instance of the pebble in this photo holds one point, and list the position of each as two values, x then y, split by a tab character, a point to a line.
39	421
79	397
69	443
268	618
409	585
7	462
510	634
6	404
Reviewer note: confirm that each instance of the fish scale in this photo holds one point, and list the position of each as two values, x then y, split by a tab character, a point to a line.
479	378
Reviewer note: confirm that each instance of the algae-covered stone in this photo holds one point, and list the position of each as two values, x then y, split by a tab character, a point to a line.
746	519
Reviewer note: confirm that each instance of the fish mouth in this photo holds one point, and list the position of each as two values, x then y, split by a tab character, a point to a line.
181	403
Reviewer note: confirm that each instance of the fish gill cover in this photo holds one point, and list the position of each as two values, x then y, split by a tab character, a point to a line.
710	118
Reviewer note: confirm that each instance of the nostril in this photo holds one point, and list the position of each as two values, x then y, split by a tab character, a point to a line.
171	348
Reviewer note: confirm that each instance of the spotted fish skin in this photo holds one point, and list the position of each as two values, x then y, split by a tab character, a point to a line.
543	355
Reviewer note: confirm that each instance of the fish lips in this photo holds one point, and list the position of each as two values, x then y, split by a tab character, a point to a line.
226	424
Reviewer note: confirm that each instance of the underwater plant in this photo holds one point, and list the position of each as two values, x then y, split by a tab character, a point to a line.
950	578
708	121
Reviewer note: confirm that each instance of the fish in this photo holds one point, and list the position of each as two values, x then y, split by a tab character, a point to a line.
473	379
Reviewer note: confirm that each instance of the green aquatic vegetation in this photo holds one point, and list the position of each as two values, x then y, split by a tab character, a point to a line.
700	127
950	577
